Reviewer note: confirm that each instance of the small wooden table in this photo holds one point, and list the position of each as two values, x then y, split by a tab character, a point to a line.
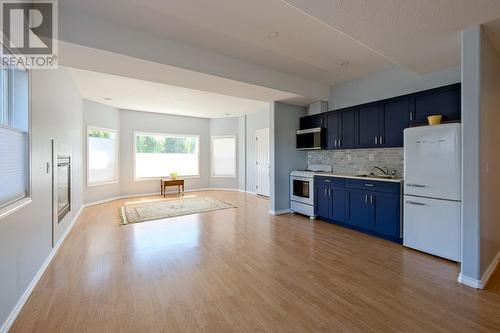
164	182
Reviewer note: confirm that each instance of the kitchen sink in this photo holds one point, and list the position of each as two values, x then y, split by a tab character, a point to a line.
372	175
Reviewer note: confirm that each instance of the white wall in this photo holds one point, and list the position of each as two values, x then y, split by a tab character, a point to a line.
392	82
489	153
284	123
131	121
26	235
100	115
218	127
481	162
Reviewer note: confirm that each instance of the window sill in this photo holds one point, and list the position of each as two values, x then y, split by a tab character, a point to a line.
14	207
102	184
166	177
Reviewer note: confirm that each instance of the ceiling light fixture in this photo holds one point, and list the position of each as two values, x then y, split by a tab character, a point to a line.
345	63
274	34
108	98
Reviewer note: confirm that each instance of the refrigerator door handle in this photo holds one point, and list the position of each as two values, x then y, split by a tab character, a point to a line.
415	203
415	185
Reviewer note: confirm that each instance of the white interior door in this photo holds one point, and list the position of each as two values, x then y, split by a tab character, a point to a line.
262	161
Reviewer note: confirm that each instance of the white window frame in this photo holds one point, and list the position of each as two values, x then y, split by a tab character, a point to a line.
117	156
16	205
143	179
212	156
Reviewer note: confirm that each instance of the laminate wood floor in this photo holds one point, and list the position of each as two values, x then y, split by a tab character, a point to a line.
242	270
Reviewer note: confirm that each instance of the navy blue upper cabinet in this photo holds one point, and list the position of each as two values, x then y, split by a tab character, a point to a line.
394	119
349	133
445	101
311	121
368	127
333	129
381	124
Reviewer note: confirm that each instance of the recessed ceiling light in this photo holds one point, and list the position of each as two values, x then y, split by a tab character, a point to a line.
274	34
345	63
108	98
228	114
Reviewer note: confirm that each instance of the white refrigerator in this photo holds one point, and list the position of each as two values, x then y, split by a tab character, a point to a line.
433	190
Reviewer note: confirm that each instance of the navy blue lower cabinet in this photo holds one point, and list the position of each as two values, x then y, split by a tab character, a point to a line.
360	209
387	214
338	204
322	201
373	207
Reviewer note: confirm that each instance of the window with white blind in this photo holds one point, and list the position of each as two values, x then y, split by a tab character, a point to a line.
166	155
14	139
102	156
224	156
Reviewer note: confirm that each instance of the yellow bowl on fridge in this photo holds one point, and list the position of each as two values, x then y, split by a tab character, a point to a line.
435	119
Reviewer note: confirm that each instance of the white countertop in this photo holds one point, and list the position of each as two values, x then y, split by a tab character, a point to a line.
351	176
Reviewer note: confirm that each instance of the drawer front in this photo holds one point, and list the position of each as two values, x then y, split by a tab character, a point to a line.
333	181
373	185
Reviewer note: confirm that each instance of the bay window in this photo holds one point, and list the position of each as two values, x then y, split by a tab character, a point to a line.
162	155
14	139
102	156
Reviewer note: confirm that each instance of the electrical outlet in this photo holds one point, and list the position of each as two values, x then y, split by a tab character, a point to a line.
371	157
349	157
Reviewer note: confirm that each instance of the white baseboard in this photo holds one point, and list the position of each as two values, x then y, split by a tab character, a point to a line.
22	301
249	192
98	202
480	284
279	212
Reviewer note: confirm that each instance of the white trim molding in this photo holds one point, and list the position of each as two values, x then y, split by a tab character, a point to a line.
24	298
480	284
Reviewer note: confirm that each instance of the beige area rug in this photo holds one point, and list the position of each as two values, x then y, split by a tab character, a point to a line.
160	209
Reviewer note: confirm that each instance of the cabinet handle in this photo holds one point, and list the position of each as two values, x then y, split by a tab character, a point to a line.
326	193
415	185
340	142
411	116
415	203
369	185
327	181
381	140
376	140
366	198
371	199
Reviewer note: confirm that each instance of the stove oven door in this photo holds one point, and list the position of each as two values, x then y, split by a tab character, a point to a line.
301	190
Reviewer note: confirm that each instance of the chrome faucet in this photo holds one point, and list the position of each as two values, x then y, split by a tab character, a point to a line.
385	172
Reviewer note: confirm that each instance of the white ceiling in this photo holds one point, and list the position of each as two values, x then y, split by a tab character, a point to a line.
422	35
140	95
315	37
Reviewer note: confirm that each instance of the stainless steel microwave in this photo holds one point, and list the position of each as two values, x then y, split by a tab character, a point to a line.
310	139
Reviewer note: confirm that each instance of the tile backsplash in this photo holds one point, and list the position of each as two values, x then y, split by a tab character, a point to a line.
359	160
